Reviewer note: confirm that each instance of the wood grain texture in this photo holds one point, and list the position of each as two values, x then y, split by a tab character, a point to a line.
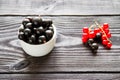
60	7
59	76
69	54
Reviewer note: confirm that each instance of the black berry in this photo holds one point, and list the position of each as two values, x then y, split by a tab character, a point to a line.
46	23
37	21
35	30
98	37
30	18
49	34
41	39
90	41
28	25
50	28
21	29
27	32
32	39
25	21
94	51
94	46
40	30
21	35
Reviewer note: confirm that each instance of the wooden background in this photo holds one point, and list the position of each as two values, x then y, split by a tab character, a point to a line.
70	59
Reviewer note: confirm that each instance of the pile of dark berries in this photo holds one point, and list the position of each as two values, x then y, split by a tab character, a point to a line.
100	34
35	30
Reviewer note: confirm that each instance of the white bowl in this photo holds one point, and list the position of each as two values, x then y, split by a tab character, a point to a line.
38	50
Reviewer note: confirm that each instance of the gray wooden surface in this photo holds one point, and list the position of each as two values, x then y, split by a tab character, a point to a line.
69	59
63	76
60	7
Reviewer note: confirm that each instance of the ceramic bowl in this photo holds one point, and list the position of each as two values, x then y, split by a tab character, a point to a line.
38	50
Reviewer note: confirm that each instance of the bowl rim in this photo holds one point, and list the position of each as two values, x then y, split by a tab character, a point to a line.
54	36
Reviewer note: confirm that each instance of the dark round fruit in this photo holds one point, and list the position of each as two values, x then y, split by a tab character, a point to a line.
34	30
21	36
30	18
40	30
94	51
94	46
21	29
49	34
41	39
46	23
98	37
25	21
50	28
32	39
28	25
37	21
27	32
90	41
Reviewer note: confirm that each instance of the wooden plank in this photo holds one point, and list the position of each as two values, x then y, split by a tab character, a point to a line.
60	76
69	54
60	7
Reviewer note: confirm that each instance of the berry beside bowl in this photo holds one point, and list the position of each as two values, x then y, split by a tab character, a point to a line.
37	36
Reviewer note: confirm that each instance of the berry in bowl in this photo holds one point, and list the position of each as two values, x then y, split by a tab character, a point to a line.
37	36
